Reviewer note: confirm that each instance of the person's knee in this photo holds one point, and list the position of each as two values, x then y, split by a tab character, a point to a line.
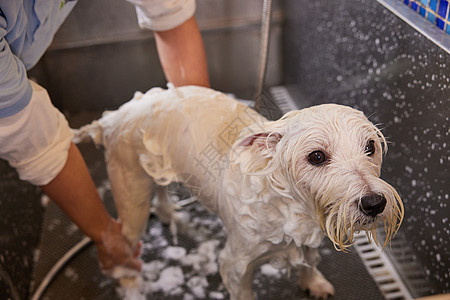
36	140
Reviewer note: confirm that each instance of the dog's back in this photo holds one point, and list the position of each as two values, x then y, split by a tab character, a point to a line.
178	134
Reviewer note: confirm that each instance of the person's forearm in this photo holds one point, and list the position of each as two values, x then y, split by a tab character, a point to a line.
74	191
182	55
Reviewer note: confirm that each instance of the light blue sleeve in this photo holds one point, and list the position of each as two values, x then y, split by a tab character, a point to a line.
15	89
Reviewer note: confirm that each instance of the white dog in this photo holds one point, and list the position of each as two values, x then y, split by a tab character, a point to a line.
279	187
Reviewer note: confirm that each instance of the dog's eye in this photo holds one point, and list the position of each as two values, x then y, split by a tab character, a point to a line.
370	148
317	157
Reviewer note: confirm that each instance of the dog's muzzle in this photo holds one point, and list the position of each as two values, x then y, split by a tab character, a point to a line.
372	205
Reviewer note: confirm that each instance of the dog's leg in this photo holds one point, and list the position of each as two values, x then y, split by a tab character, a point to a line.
236	269
312	280
164	207
131	188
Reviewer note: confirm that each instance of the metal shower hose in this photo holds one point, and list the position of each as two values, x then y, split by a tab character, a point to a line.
264	50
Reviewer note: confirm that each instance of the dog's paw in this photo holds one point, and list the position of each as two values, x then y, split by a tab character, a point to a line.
321	289
246	294
318	286
128	275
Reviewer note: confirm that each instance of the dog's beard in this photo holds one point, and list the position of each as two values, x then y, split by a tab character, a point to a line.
341	219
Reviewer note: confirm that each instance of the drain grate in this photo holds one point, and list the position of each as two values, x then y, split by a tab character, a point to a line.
283	99
381	269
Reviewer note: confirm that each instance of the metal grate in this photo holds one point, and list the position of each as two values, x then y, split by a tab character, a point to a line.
283	99
381	269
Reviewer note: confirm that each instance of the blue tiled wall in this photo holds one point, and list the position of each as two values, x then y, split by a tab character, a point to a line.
435	11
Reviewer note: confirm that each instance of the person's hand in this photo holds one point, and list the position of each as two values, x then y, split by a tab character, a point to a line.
115	251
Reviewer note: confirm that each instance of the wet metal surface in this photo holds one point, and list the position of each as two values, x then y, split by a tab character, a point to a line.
20	221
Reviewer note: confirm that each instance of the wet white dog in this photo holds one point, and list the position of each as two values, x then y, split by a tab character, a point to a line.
279	187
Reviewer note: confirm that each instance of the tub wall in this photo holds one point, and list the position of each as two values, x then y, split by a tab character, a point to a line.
360	54
100	57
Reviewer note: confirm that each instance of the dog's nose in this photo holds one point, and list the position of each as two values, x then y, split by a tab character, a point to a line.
373	205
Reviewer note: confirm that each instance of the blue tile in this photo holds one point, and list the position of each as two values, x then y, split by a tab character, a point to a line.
431	17
406	2
443	5
414	6
422	11
440	23
448	29
424	2
433	4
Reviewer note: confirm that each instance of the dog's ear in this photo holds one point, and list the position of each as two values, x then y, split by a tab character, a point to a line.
254	153
264	141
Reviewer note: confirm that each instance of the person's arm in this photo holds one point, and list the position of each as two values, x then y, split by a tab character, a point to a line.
182	54
36	140
178	39
74	191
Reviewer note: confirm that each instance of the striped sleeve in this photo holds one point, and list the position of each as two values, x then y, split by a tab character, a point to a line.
15	89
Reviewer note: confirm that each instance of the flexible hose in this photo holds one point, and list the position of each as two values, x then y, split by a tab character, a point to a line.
57	267
264	50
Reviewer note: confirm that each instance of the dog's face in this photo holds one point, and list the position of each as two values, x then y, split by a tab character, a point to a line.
331	159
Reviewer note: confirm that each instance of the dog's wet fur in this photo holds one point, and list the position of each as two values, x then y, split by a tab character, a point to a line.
278	186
